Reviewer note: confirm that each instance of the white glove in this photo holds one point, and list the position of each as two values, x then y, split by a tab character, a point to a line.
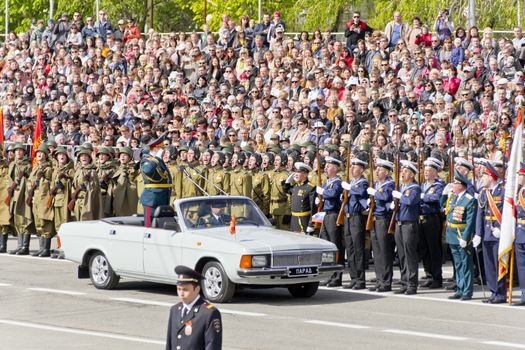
422	196
462	243
346	185
447	189
397	194
289	179
476	195
496	232
310	229
319	190
317	201
371	191
476	241
392	205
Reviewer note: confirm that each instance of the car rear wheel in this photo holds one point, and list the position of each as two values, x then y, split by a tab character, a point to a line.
216	286
100	272
304	290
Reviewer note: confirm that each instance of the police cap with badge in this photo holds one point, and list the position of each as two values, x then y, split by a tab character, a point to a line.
186	275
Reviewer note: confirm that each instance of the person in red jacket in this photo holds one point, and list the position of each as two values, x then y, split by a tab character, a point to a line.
132	31
425	38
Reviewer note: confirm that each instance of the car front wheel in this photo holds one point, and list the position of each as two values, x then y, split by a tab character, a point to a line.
100	272
304	290
216	286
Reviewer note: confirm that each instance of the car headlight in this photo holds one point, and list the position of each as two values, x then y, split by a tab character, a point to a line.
259	261
328	258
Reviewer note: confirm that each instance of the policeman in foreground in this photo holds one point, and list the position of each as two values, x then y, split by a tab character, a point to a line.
194	323
461	220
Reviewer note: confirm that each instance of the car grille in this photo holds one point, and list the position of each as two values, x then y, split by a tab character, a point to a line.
297	259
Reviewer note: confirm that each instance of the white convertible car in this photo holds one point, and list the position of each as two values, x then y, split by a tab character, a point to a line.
197	234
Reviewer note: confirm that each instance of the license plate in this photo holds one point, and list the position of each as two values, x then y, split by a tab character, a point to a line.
302	271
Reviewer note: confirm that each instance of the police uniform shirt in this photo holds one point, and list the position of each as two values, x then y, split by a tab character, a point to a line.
383	197
486	220
357	196
332	194
430	196
410	202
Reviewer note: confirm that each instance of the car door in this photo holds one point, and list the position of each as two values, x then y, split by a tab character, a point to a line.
162	252
124	247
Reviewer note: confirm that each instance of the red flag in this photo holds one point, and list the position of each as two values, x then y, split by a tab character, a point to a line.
232	225
2	130
37	137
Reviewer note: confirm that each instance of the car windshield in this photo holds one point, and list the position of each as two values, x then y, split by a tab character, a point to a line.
216	212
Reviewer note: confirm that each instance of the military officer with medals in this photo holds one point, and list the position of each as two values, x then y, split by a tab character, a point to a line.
430	223
488	225
407	227
331	192
519	241
193	322
355	221
157	180
461	219
382	241
303	198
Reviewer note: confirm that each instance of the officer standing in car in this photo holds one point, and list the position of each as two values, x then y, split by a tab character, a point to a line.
194	323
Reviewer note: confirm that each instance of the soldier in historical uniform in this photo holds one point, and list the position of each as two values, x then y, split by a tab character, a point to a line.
240	179
303	198
218	178
430	223
86	201
123	186
407	227
5	215
331	192
157	180
461	219
279	208
260	184
105	171
519	241
193	323
193	175
39	184
62	181
488	223
19	171
355	221
382	241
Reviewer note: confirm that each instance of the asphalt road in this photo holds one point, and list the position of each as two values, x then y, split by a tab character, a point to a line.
44	306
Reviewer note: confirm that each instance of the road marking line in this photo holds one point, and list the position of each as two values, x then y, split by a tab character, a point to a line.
58	291
505	344
82	332
162	303
34	258
5	284
422	334
336	324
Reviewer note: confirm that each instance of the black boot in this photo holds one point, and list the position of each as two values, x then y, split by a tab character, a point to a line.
3	243
46	252
41	245
20	239
25	245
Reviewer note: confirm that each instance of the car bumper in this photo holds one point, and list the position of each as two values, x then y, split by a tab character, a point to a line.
283	272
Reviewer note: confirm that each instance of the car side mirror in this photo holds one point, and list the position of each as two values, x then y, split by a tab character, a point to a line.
272	221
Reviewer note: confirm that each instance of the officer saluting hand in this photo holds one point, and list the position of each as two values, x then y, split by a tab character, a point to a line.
193	323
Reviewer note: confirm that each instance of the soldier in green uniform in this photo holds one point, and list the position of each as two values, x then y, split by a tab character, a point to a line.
260	184
19	171
218	178
39	184
105	171
303	198
123	186
86	203
240	179
461	221
51	147
192	170
5	215
279	207
62	181
176	174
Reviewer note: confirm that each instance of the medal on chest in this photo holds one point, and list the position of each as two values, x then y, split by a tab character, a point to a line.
300	193
188	329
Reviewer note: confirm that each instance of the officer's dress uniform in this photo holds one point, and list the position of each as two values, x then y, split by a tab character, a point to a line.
519	242
406	235
382	241
461	219
431	227
354	230
303	206
490	204
331	206
157	186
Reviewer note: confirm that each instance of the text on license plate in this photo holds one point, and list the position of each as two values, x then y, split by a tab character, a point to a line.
302	271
